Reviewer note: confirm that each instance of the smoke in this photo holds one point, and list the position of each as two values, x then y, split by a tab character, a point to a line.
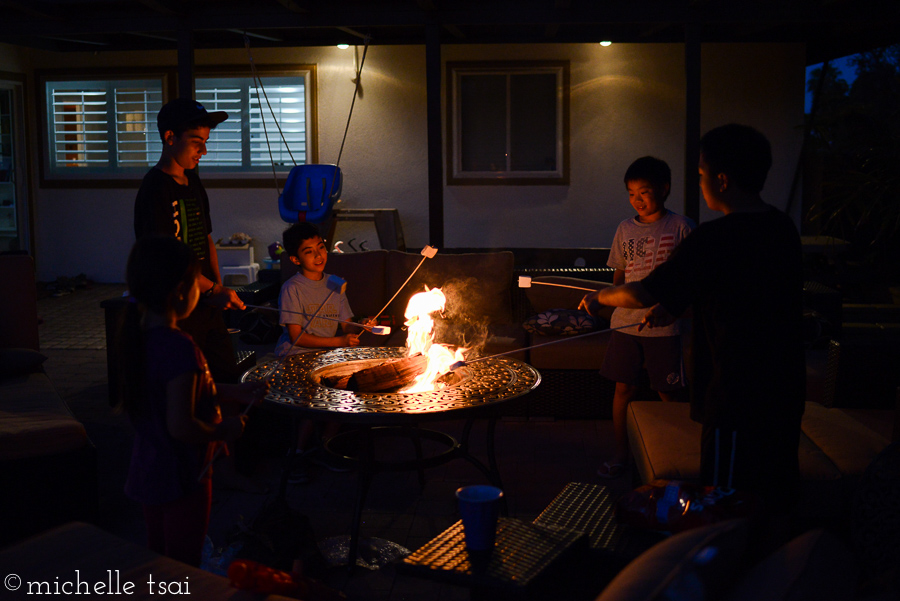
463	322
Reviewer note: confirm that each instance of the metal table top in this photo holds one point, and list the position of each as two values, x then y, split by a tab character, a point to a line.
295	387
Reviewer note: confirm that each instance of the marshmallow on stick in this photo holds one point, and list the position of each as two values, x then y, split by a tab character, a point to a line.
427	253
526	282
459	364
380	330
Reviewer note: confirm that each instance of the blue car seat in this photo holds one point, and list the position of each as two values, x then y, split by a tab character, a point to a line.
310	192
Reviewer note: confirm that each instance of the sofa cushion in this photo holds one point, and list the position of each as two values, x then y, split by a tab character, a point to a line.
813	566
698	564
17	361
849	444
34	420
18	303
665	441
477	285
569	352
560	322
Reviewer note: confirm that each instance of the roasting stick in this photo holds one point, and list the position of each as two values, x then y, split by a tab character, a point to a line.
427	253
334	284
526	282
459	364
380	330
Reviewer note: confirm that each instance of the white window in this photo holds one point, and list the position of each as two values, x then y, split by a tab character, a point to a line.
104	128
101	127
509	123
266	124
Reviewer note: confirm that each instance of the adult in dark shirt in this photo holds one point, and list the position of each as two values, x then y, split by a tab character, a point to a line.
742	276
172	201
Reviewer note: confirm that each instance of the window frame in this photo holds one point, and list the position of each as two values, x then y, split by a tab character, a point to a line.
263	178
118	178
89	178
455	176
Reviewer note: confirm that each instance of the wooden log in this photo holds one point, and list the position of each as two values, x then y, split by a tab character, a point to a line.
390	375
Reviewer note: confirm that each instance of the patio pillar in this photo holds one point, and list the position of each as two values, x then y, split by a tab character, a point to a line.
692	120
185	63
433	112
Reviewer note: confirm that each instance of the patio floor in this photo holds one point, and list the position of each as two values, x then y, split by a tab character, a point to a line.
536	460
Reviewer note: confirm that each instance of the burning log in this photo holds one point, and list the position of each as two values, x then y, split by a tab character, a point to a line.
390	375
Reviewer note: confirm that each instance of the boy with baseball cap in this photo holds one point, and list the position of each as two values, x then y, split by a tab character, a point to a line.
173	202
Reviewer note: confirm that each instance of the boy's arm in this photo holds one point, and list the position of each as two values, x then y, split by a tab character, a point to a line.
308	340
181	422
618	277
632	295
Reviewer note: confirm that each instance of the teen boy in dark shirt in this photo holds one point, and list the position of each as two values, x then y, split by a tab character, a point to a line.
172	201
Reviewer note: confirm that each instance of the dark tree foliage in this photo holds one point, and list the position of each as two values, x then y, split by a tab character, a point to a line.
855	133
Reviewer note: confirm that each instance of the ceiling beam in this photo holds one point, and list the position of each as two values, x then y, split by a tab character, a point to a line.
161	7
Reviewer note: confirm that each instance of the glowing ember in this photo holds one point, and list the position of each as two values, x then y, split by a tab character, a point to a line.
420	339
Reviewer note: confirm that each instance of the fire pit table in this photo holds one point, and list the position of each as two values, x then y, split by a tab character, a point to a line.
476	391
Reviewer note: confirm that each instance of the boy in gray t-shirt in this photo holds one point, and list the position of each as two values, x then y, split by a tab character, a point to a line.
640	244
306	294
303	295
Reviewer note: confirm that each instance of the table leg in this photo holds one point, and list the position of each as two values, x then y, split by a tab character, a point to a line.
493	472
364	480
417	443
288	459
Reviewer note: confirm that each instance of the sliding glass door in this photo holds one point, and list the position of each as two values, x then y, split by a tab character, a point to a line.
14	222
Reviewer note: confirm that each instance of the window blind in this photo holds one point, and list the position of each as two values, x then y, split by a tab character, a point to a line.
252	128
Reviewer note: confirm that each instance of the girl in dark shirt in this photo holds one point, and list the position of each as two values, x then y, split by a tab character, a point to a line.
171	399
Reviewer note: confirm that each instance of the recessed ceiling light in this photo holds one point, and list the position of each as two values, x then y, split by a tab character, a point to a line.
606	43
343	46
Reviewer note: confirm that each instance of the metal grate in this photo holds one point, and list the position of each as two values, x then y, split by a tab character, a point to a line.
521	553
587	508
295	382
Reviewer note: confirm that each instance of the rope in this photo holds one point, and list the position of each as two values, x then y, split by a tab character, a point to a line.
258	85
355	94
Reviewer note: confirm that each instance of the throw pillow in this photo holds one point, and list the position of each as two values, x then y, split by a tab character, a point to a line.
560	322
16	361
698	564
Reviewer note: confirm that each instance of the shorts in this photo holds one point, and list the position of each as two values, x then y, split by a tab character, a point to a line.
626	355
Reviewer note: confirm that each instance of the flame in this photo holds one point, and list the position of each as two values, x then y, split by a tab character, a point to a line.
420	339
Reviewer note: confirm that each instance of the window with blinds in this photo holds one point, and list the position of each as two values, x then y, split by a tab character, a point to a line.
98	127
103	125
509	122
266	123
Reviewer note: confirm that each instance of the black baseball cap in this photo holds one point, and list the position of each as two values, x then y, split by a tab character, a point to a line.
182	111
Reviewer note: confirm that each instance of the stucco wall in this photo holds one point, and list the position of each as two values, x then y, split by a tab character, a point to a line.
627	100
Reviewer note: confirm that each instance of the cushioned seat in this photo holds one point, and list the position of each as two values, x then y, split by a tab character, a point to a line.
835	450
34	420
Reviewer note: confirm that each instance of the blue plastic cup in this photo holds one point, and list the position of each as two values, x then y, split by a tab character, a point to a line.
479	507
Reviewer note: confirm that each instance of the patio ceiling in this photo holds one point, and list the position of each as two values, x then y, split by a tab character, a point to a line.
829	28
